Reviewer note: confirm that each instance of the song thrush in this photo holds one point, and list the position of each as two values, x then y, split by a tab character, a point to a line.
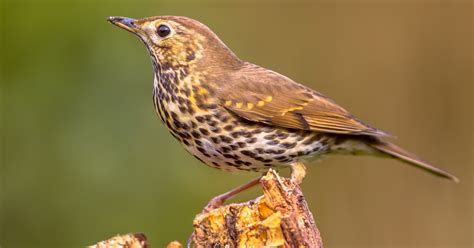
234	115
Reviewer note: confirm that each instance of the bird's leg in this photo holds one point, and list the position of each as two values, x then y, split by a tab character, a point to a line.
298	172
219	200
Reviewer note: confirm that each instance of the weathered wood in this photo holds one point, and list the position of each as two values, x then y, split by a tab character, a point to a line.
131	240
279	218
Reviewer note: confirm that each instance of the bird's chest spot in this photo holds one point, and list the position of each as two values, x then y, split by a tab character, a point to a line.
180	97
177	118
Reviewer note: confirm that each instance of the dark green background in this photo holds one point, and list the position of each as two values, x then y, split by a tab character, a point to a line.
83	156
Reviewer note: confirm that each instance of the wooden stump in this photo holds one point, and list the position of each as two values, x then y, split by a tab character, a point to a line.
279	218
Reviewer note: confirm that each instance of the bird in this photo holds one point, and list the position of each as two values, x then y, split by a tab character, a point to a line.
234	115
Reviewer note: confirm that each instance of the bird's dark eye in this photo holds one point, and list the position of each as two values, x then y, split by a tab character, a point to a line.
163	30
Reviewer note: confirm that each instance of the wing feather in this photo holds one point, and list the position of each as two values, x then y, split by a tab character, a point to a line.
261	95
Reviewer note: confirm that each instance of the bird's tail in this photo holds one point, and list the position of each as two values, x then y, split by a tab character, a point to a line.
397	152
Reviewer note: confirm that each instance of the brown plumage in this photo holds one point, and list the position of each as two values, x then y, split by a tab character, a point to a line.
234	115
261	95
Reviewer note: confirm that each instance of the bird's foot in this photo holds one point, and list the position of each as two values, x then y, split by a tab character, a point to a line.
219	200
214	203
298	172
190	241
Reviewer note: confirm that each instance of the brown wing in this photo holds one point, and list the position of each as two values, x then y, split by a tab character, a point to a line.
261	95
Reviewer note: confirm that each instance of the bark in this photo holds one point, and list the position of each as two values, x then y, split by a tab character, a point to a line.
131	240
279	218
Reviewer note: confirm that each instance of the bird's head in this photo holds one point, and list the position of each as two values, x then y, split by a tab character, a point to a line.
175	41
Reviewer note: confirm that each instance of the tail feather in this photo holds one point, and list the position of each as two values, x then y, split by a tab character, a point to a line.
399	153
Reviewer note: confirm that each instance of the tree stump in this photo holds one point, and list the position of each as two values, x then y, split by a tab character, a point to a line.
279	218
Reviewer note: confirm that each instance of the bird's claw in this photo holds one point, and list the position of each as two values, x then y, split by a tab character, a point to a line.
214	203
190	241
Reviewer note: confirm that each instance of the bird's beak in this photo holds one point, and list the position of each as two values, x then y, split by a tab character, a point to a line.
126	23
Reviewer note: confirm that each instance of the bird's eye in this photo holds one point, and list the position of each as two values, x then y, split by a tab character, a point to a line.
163	30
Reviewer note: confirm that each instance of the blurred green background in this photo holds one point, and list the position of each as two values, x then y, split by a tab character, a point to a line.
83	156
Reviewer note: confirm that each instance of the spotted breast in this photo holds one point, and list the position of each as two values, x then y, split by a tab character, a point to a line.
222	139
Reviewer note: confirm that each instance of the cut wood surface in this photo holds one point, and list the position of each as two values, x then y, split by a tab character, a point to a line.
279	218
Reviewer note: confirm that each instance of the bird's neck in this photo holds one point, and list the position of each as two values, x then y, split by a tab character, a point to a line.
194	72
169	76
